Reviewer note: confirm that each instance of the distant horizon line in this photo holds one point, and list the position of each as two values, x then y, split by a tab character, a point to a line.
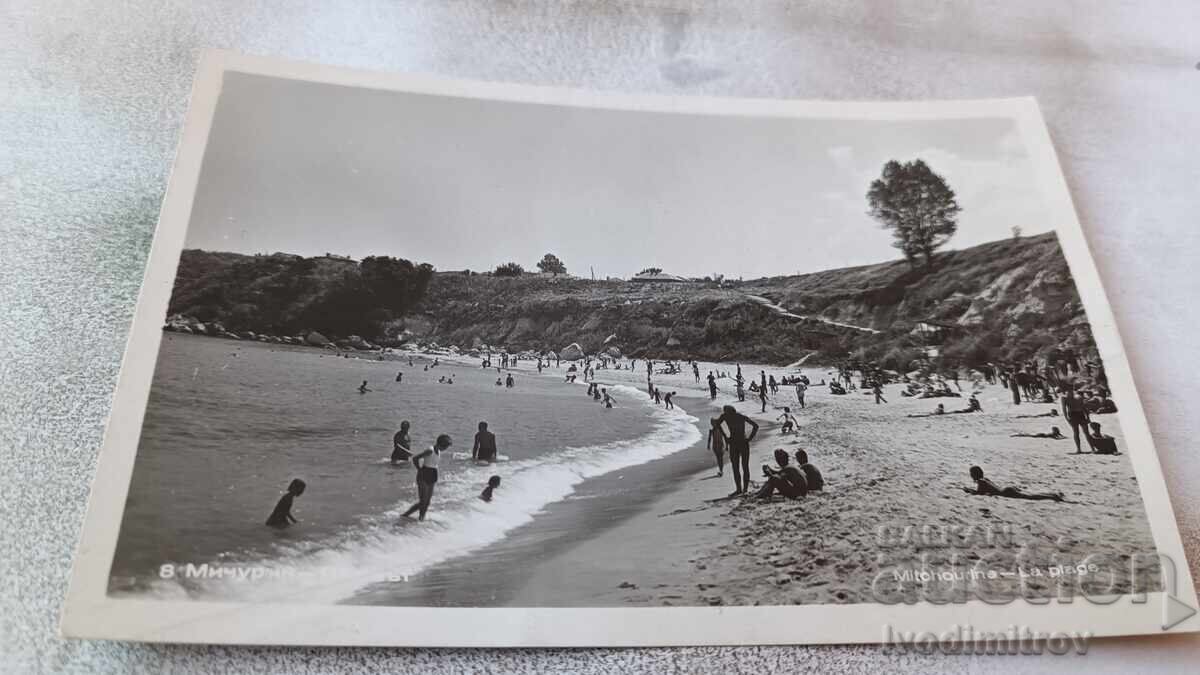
533	269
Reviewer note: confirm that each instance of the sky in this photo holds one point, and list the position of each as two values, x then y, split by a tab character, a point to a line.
461	183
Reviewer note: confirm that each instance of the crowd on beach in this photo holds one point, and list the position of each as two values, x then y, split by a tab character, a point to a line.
1079	387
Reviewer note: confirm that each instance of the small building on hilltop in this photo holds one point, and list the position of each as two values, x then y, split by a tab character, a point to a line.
659	278
337	258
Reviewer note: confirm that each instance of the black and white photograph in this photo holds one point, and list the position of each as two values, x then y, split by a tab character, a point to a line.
433	345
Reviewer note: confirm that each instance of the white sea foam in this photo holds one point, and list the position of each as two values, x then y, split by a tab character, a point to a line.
381	549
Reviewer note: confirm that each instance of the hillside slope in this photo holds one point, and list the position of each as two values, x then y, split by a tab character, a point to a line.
1002	300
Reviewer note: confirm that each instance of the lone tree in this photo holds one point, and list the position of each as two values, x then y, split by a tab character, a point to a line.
550	264
509	269
917	205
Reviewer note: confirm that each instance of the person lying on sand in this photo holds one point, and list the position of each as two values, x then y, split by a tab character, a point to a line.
787	480
811	474
1053	413
1054	433
282	515
493	483
1102	444
939	410
790	424
987	488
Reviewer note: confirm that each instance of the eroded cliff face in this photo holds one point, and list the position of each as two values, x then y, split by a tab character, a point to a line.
1000	292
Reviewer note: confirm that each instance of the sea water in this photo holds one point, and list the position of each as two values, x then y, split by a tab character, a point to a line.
228	425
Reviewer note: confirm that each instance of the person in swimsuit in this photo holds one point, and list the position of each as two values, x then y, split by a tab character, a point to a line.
716	443
1076	414
667	400
401	445
282	515
362	388
608	399
484	449
1102	444
493	483
738	443
509	382
400	376
987	488
427	474
1054	434
877	389
787	480
812	475
762	396
790	425
712	386
1053	413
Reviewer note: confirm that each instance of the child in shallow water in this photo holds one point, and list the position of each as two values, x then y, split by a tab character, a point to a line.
493	483
282	515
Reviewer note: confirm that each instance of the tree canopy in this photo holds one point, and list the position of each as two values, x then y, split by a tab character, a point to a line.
550	264
651	270
917	205
509	269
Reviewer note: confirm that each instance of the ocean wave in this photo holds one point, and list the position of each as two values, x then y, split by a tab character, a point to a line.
388	547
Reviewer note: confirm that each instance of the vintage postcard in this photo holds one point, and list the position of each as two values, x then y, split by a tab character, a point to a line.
425	362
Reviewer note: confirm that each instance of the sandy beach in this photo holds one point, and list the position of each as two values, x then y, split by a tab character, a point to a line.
886	475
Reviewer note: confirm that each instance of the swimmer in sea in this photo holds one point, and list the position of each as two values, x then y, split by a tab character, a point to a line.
1054	434
493	483
987	488
427	475
401	445
484	449
362	388
282	515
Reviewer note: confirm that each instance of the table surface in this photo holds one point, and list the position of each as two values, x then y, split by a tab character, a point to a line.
93	94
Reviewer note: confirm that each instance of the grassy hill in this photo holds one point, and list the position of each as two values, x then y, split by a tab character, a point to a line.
998	301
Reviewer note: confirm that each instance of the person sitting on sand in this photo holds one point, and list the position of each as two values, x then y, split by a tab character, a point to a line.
484	449
716	443
492	484
812	475
1054	434
401	445
362	388
790	424
836	389
787	480
400	376
499	382
1053	413
973	404
987	488
1102	444
282	515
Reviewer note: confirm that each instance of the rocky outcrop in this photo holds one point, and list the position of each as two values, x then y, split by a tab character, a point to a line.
316	339
572	352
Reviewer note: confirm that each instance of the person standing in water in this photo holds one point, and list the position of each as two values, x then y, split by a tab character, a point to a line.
716	443
492	484
282	515
427	475
484	449
608	399
738	443
509	382
401	445
712	386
